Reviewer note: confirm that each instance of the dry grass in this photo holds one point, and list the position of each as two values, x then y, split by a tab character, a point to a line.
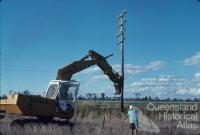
89	120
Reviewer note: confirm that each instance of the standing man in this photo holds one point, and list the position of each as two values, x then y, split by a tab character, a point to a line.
133	119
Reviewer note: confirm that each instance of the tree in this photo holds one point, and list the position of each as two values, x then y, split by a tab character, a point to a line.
3	97
157	99
150	98
188	99
81	97
168	99
175	99
94	96
89	96
196	100
108	98
11	92
26	92
102	96
145	98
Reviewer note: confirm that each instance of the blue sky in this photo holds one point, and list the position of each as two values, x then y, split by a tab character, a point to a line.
162	49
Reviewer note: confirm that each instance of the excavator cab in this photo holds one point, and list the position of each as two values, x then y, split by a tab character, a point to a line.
62	90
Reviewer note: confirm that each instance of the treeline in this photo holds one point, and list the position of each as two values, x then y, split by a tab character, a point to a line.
25	92
167	99
103	97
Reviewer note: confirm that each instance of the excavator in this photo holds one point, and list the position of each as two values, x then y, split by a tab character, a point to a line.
61	94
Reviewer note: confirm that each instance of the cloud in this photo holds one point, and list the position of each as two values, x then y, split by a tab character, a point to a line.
162	86
165	86
193	61
197	78
96	73
155	65
190	91
93	77
98	77
197	75
90	70
137	69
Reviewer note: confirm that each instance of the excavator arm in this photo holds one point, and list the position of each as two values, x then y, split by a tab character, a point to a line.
107	69
68	71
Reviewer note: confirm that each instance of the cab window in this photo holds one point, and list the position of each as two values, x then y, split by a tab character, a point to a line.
51	91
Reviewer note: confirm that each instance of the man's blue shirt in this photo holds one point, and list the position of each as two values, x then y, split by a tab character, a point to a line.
133	116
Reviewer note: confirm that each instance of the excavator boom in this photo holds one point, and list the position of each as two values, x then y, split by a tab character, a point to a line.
68	71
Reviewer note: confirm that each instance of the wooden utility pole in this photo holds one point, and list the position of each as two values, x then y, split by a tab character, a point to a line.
121	39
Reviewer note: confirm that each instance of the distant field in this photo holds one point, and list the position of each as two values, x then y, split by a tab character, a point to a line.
93	118
136	103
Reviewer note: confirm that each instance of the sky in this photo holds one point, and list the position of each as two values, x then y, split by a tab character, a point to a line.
162	47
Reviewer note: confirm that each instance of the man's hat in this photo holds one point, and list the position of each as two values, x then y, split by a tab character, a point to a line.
131	107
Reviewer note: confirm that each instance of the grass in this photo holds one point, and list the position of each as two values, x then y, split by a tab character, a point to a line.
90	119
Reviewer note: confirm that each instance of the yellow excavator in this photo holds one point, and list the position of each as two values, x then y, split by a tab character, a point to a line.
61	94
